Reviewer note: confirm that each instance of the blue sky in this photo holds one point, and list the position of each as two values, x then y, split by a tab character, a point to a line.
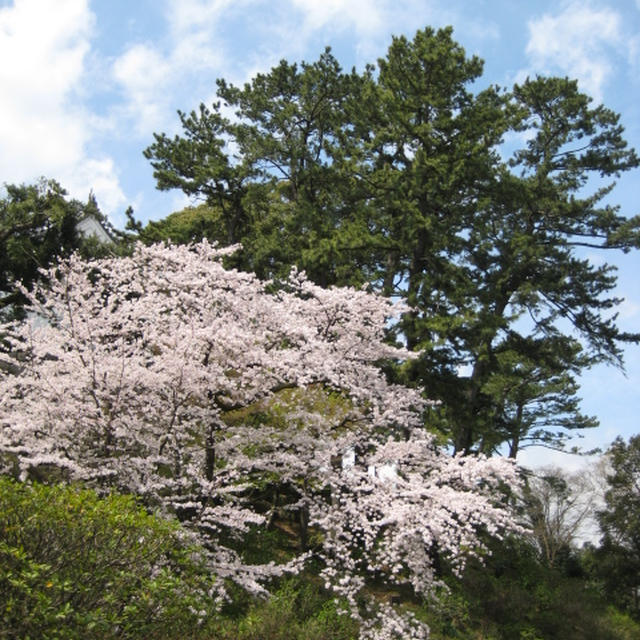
86	83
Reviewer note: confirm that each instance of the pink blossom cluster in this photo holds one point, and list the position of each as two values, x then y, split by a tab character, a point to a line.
149	374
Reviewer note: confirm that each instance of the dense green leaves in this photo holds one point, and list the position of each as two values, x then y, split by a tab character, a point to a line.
472	203
73	565
515	596
277	169
189	225
621	518
519	281
617	561
38	225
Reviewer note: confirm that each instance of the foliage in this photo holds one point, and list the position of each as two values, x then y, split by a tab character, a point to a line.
78	566
37	226
157	374
514	595
183	227
615	570
297	610
288	193
621	625
471	203
620	520
510	595
498	248
618	558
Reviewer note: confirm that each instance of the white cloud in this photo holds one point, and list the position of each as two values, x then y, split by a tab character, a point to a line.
42	45
141	68
540	457
195	31
187	16
197	45
43	129
150	73
369	21
579	42
144	75
634	54
628	310
100	176
372	21
365	16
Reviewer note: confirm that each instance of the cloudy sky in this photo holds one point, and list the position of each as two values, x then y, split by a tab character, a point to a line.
85	84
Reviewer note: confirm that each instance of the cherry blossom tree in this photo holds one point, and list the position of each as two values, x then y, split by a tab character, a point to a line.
203	390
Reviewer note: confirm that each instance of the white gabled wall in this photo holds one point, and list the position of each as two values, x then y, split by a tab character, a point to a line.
89	226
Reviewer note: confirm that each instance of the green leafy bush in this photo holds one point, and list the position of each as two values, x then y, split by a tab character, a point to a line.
515	596
73	565
298	610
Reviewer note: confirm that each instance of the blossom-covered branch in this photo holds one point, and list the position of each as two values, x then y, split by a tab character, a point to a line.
166	375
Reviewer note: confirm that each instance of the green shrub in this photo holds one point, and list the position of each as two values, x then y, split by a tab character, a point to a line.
514	596
73	565
624	626
298	610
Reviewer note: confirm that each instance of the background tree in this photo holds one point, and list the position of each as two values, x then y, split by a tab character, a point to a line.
619	554
518	275
533	394
556	506
278	170
38	226
400	177
200	165
620	520
190	224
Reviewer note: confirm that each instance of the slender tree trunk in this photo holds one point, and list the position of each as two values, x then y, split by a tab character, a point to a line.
515	442
303	521
210	454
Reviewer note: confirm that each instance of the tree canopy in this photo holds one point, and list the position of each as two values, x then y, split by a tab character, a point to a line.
39	225
229	403
620	519
472	204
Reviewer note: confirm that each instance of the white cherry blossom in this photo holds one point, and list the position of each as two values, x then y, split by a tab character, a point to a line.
150	374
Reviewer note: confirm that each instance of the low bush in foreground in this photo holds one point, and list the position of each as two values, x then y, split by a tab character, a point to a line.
73	565
298	610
